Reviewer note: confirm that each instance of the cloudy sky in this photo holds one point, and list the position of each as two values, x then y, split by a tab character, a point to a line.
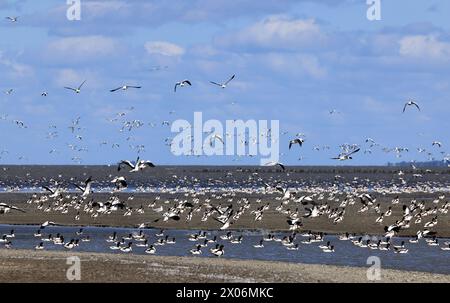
294	60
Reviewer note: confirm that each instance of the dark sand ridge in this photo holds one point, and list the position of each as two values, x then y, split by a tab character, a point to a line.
353	222
45	266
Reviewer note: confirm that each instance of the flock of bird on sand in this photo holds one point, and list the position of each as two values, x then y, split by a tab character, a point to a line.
297	205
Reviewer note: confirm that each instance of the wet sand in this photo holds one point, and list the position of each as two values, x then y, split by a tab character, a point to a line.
227	177
45	266
353	221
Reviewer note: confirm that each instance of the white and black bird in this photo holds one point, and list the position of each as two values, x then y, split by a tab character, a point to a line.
124	87
298	141
411	103
346	155
437	143
86	190
273	163
12	19
223	85
5	208
136	166
120	182
182	84
76	90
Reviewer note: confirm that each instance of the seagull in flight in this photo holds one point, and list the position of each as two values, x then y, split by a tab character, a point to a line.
182	84
124	87
9	91
411	103
437	143
298	141
12	19
137	166
223	85
5	208
346	156
276	164
87	187
214	137
76	90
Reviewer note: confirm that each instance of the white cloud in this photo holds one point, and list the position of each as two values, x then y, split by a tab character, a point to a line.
82	47
17	70
164	48
425	47
295	64
278	32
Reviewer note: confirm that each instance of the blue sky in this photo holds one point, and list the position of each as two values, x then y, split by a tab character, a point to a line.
294	62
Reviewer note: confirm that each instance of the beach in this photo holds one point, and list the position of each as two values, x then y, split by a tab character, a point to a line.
32	266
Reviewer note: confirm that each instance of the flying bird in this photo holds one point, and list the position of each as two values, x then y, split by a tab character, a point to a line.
346	156
298	141
437	143
86	190
12	19
5	208
411	103
137	166
120	182
76	90
223	85
182	84
276	164
124	87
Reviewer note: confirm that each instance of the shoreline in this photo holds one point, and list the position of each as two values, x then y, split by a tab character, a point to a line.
46	266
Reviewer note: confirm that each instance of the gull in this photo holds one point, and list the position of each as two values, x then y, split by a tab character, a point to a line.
124	87
5	208
182	84
170	214
12	19
47	223
346	156
226	222
273	163
9	91
411	103
437	143
120	183
223	85
137	166
76	90
287	194
19	123
86	190
298	141
44	94
213	137
312	212
53	192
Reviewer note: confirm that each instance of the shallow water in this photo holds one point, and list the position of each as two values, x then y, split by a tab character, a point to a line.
421	257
